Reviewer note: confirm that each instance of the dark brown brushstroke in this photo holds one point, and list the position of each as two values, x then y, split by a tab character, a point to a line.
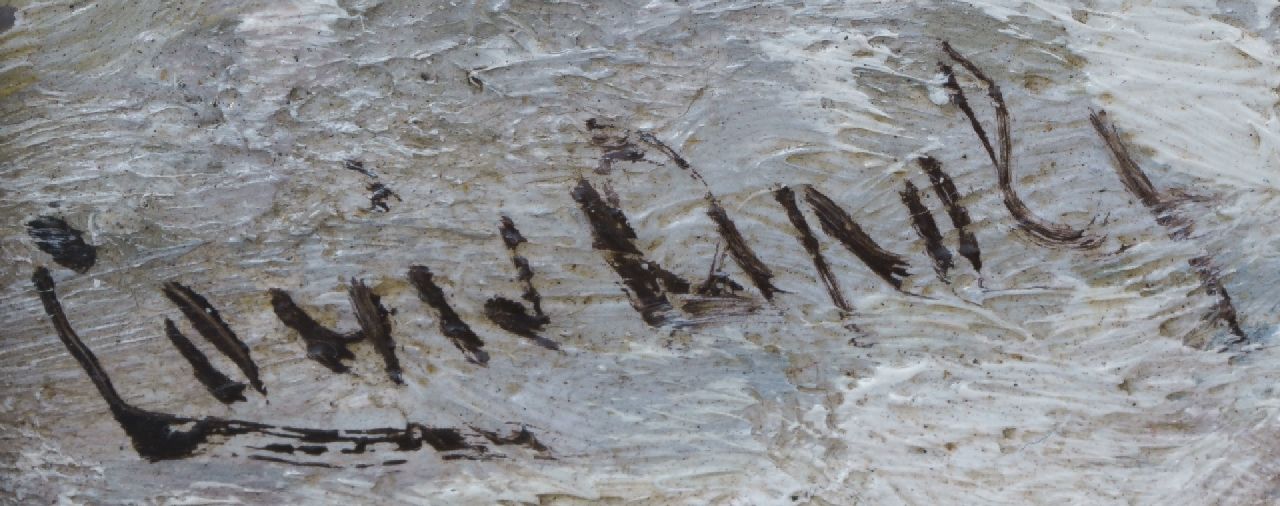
218	384
62	241
1137	183
646	281
451	325
152	434
1047	232
837	223
325	346
358	166
946	191
1224	310
512	238
740	251
922	221
717	283
787	198
155	435
210	325
738	247
1132	176
510	315
521	437
278	460
671	154
379	193
291	449
375	324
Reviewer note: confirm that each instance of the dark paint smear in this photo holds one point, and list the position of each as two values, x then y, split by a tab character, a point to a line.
653	141
325	346
946	191
1137	183
741	251
787	198
279	460
155	438
622	153
290	449
7	17
379	195
838	224
1038	227
512	238
646	281
218	384
375	324
451	325
358	166
521	437
922	221
717	284
210	325
510	315
54	236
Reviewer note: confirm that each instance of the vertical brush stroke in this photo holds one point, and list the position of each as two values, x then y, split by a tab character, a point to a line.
54	236
787	198
1045	231
510	315
325	346
741	251
922	221
375	324
1137	183
946	191
838	224
451	325
646	281
210	325
217	383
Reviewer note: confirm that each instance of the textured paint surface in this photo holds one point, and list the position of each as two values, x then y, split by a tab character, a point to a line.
310	146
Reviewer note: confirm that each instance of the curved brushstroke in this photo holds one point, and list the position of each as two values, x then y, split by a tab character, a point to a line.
1038	227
